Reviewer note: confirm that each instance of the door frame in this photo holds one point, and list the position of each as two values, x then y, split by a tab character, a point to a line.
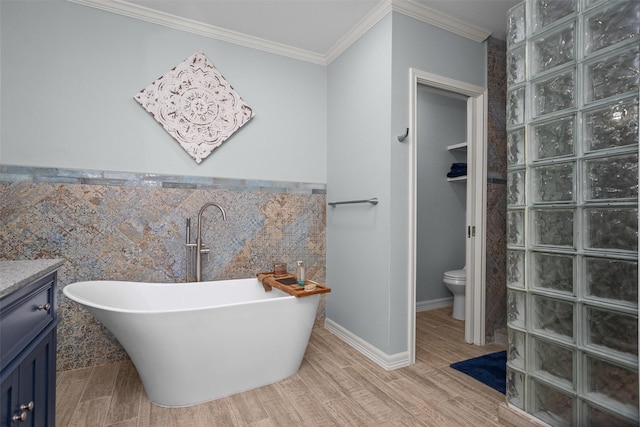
476	202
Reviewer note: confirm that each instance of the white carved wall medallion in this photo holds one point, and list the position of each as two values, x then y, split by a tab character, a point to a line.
196	105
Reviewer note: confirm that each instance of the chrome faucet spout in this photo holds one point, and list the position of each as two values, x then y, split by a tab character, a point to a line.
200	247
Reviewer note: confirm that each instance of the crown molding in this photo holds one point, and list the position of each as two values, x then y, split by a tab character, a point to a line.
439	19
376	14
150	15
405	7
412	10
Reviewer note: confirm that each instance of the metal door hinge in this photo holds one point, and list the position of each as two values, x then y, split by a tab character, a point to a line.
471	231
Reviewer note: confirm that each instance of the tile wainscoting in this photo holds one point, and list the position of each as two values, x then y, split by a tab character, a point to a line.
128	226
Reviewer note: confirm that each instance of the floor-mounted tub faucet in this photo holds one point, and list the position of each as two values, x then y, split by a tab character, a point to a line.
199	245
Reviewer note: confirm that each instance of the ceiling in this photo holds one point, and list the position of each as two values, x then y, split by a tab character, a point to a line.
312	26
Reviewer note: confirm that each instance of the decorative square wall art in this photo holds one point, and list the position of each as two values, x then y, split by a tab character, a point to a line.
196	105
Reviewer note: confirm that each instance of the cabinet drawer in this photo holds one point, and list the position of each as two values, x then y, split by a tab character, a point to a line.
24	315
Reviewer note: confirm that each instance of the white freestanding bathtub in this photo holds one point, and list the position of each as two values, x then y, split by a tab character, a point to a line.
195	342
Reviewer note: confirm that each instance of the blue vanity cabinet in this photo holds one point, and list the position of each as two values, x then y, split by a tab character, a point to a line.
28	322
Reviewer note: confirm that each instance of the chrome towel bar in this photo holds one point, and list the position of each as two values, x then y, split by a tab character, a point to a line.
373	201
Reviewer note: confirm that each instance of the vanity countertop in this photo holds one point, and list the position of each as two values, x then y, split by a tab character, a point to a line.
16	274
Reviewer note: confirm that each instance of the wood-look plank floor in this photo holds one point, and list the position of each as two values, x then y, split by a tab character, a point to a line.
335	386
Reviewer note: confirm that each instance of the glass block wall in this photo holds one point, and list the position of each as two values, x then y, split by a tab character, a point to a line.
572	216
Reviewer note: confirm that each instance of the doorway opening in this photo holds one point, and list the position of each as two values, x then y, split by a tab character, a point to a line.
475	144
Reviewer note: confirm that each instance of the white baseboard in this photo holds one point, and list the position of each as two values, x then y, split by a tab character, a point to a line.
434	303
386	361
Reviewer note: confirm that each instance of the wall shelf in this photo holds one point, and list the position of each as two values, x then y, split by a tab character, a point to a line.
460	146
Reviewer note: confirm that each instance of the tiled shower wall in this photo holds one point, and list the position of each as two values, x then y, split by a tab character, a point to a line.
496	291
123	226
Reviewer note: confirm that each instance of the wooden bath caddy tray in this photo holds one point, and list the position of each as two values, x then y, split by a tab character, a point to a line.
294	289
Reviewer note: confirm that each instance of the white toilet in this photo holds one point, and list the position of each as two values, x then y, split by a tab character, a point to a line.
456	281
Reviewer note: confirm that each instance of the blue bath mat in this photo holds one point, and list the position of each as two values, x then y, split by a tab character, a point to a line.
490	369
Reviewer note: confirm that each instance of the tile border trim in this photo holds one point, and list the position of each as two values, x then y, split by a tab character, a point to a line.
11	173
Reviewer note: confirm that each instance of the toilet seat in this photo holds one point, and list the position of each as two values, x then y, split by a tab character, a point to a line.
456	277
456	274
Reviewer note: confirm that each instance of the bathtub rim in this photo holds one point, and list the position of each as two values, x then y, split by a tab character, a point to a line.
87	303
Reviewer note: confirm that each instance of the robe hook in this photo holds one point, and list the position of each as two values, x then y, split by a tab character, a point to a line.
401	138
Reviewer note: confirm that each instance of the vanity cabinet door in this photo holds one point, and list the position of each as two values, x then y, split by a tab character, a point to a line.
9	398
37	387
28	390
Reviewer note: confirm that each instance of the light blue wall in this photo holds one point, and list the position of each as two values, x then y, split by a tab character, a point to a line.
69	74
427	48
441	205
359	102
368	106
